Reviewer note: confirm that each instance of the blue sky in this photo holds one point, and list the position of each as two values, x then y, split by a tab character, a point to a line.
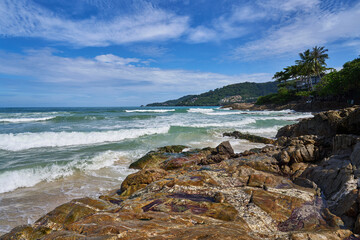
128	53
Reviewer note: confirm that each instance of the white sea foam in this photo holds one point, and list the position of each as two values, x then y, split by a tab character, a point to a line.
22	141
21	120
151	110
261	131
287	118
29	177
239	123
223	113
200	110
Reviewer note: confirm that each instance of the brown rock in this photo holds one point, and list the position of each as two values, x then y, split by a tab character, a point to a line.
140	179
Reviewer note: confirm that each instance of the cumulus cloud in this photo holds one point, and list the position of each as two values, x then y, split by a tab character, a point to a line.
26	19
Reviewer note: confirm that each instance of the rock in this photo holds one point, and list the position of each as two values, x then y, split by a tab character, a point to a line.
154	158
305	183
140	179
219	197
237	198
327	124
321	235
284	157
351	123
222	152
172	149
224	148
348	208
355	155
250	137
239	106
334	176
190	159
357	225
343	144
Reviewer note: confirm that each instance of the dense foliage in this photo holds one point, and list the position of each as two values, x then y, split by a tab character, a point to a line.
344	83
283	96
248	91
312	63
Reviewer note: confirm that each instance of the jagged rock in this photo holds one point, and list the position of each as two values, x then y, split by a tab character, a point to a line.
327	124
250	137
222	152
334	176
348	208
238	198
343	143
224	148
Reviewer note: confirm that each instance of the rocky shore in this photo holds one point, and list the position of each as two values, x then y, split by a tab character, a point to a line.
315	106
302	186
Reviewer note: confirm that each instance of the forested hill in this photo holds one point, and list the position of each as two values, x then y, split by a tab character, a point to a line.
240	92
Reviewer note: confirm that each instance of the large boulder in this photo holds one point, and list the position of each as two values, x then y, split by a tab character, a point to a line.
326	124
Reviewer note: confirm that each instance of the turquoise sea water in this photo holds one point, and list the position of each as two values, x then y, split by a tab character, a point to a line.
51	155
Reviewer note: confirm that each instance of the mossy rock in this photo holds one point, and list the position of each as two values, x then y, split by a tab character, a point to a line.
154	158
172	149
26	232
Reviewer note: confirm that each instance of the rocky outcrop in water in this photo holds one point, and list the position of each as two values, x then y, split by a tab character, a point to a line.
305	186
250	137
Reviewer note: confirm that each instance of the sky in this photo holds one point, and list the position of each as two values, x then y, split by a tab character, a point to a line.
133	52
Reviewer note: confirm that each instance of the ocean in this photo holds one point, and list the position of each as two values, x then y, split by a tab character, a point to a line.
49	156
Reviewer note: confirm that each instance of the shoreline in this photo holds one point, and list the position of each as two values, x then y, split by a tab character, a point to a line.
313	107
179	200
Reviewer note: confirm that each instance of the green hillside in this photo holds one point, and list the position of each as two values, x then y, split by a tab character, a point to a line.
240	92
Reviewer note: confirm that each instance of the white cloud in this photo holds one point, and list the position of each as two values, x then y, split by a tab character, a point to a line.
202	34
225	27
44	66
151	50
110	58
317	28
22	18
237	22
289	5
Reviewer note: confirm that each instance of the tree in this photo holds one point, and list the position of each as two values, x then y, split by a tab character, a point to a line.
318	58
305	68
289	73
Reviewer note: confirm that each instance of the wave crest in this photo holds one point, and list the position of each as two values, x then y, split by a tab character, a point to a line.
21	120
150	110
29	177
23	141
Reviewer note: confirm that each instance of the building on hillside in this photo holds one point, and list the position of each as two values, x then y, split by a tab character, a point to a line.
304	84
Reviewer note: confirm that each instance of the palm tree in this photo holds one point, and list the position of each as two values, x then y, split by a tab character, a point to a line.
318	58
288	73
305	67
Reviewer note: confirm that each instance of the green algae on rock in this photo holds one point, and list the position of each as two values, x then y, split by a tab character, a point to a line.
153	158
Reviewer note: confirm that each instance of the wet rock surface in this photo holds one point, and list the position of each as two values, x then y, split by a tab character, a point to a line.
305	186
250	137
